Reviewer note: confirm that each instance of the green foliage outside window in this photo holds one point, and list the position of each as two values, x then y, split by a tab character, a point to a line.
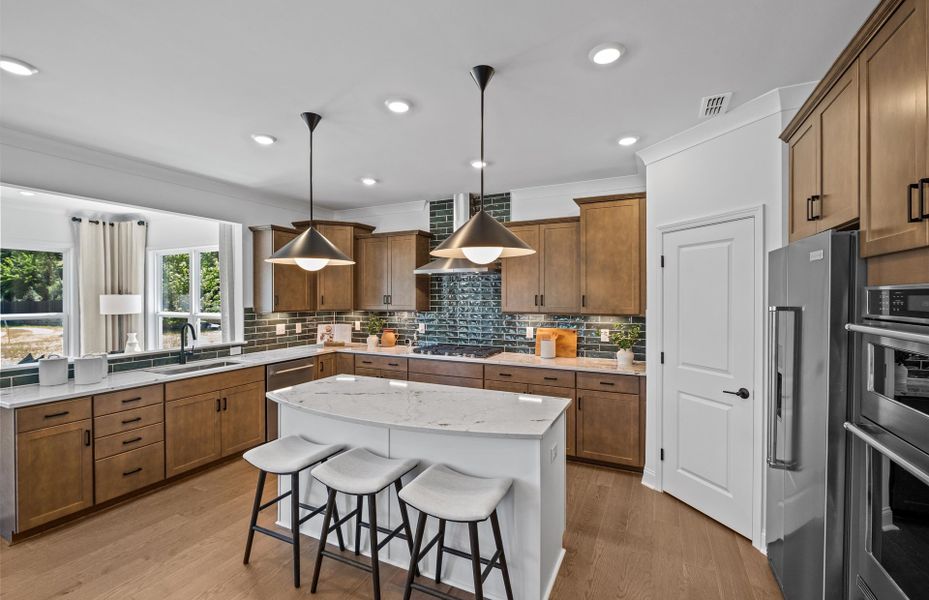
30	281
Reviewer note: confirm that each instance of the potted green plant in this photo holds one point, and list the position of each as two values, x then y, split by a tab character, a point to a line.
374	326
625	335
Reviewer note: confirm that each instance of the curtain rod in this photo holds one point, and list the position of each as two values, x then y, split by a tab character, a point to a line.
78	220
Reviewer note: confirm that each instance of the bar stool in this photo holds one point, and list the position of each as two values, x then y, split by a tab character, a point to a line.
448	495
361	473
286	456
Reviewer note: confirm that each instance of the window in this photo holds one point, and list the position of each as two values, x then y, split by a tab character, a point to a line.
188	292
33	315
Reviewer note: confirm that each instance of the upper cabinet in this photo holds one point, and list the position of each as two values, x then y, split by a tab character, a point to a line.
859	146
279	288
384	273
547	281
335	289
612	255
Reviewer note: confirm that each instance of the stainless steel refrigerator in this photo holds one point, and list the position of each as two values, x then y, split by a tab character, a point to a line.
812	291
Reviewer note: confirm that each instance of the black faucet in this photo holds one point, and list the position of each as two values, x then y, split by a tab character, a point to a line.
182	359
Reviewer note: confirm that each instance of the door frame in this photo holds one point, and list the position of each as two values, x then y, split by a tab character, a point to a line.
756	215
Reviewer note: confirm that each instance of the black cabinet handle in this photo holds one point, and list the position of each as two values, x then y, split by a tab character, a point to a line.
909	203
132	441
57	414
390	299
366	362
542	300
128	400
132	472
741	393
536	301
393	364
505	374
813	200
322	298
219	405
135	420
550	378
922	197
607	383
579	398
583	299
809	208
87	437
225	403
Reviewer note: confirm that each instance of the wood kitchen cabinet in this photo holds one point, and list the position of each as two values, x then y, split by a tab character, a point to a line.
385	277
326	365
193	432
345	364
335	286
611	424
279	288
612	254
547	281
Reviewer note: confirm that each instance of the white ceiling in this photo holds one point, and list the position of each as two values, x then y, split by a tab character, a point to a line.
183	83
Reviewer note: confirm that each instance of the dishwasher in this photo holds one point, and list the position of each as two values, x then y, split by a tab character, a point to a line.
282	375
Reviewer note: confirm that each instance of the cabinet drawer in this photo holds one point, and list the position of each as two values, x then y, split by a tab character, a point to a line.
447	367
608	382
549	390
105	404
530	375
363	372
56	413
117	443
128	420
506	386
385	363
212	383
129	471
470	382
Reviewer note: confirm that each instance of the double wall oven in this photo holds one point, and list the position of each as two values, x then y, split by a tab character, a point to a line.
889	474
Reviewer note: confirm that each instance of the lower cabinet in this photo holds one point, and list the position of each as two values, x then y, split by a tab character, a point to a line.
609	427
345	364
326	365
242	417
129	471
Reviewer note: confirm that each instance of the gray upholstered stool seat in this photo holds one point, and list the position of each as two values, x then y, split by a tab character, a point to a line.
289	454
359	472
447	494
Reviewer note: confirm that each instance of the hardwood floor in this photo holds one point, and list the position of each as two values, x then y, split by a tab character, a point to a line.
186	541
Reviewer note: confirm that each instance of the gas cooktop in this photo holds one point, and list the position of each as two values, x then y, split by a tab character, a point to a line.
458	350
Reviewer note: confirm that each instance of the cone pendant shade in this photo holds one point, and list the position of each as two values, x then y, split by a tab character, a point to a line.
310	250
482	239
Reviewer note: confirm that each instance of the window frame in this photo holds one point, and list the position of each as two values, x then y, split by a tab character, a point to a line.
70	337
194	316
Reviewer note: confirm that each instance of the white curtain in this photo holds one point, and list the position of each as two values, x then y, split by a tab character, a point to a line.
111	260
228	233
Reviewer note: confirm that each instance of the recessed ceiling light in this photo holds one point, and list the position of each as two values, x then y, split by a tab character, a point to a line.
478	164
26	193
263	139
368	180
397	105
628	140
17	67
606	54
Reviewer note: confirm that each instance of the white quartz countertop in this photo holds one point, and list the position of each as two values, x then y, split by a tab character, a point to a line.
28	395
425	406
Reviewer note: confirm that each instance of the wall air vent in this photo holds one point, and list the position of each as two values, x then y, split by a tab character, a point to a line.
715	105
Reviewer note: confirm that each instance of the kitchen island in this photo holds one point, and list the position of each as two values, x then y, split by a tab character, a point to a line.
479	432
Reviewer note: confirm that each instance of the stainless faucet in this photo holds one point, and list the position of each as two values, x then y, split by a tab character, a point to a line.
182	359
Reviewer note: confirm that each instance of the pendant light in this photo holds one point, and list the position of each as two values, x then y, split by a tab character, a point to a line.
482	239
310	250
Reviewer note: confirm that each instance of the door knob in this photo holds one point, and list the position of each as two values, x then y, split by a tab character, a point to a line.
742	393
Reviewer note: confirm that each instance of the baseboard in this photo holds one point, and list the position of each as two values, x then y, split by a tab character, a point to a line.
551	583
650	480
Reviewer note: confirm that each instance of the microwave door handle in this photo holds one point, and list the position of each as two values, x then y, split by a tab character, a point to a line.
878	444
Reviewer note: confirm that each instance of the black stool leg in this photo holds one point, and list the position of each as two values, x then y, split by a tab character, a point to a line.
323	535
476	562
372	529
440	546
358	526
495	524
254	520
414	556
406	521
295	523
338	530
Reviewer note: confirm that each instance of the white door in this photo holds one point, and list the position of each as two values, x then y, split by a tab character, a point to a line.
709	348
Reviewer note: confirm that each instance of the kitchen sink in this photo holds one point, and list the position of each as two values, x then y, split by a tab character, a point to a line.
193	367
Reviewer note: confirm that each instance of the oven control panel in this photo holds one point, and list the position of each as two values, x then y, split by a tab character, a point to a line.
906	303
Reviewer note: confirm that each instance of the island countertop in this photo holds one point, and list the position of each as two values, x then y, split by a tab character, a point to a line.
425	406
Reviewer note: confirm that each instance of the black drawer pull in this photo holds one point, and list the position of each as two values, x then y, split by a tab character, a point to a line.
505	374
909	203
128	400
550	378
607	383
225	403
393	364
132	441
58	414
135	420
366	362
132	472
87	437
219	405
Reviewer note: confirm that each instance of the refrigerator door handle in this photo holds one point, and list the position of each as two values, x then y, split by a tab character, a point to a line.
775	399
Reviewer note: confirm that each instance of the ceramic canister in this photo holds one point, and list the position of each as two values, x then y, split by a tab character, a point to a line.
53	370
88	369
547	348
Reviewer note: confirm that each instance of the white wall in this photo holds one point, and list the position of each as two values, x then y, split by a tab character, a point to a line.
549	201
31	161
732	162
389	217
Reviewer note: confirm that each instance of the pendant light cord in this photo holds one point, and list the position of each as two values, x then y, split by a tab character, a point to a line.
311	177
483	164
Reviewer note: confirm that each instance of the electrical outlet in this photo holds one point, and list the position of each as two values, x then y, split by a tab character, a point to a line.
553	454
422	328
299	328
235	350
357	325
604	335
530	331
280	329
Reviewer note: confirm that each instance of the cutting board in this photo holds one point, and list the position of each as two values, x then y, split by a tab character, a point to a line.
565	343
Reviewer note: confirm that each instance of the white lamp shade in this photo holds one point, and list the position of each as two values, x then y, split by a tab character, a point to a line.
120	304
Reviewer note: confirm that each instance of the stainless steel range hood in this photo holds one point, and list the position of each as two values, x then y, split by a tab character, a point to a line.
461	212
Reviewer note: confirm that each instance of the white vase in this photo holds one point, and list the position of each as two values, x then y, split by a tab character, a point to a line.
132	344
624	359
372	342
